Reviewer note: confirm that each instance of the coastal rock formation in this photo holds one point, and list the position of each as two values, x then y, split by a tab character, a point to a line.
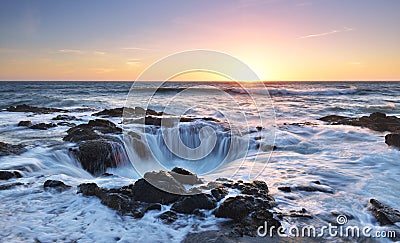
43	126
24	124
248	210
37	110
64	118
57	185
9	149
98	147
376	121
384	215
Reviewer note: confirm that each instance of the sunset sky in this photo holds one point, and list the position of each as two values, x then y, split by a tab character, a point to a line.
278	39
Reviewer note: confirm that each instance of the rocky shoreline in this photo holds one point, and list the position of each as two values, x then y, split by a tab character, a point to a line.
99	147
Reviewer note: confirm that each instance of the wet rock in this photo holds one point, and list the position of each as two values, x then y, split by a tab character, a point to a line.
96	156
250	224
219	193
168	217
24	124
285	188
393	140
64	118
8	174
97	149
43	126
109	112
38	110
9	149
148	189
376	121
184	176
90	189
58	185
189	204
384	215
241	206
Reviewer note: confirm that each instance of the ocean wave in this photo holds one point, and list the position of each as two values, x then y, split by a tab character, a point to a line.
300	92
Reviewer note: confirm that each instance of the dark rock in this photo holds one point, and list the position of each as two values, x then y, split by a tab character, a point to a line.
393	140
90	189
241	206
97	150
43	126
285	188
38	110
150	189
219	193
9	149
384	215
376	121
8	174
184	176
64	118
58	185
250	224
96	156
24	124
189	204
110	112
168	217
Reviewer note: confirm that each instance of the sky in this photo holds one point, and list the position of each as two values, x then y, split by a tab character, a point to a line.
279	39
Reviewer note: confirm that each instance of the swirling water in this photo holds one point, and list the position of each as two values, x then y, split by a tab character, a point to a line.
352	162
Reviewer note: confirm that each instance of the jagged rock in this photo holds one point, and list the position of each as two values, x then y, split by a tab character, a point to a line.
384	215
376	121
58	185
38	110
241	206
168	217
393	140
219	193
43	126
64	117
189	204
8	174
24	124
184	176
9	149
137	111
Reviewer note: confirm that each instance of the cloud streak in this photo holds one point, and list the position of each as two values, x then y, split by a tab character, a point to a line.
346	29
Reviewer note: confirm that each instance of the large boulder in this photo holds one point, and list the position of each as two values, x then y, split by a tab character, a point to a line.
9	149
98	147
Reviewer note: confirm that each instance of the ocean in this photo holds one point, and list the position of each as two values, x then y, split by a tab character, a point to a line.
353	164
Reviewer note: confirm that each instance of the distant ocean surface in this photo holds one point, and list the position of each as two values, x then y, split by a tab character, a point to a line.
354	163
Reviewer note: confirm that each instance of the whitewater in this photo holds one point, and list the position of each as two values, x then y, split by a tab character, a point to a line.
352	163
